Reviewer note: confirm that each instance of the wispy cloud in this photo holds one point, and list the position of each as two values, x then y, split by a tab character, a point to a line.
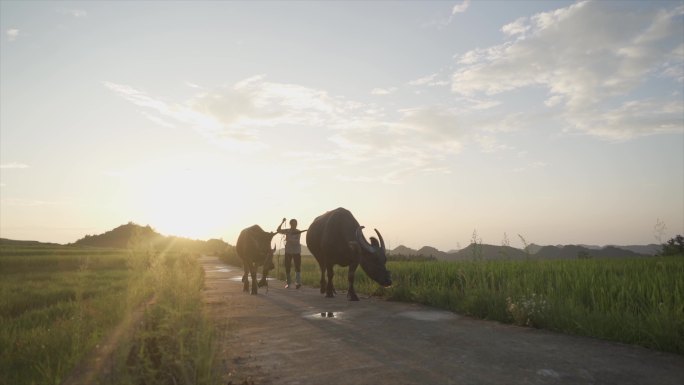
429	80
590	57
461	7
383	91
12	34
77	13
259	113
13	165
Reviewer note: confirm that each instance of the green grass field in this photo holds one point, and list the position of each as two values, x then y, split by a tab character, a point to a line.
636	301
58	302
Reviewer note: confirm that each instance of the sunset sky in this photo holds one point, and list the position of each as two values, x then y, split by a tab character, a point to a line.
561	121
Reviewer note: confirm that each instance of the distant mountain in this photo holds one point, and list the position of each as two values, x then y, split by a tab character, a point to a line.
533	248
650	249
403	250
121	237
132	235
429	251
12	242
574	251
484	251
489	252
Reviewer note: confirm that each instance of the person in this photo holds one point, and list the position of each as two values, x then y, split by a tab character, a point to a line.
293	251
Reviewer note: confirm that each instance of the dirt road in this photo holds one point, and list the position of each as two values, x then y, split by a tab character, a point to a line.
300	337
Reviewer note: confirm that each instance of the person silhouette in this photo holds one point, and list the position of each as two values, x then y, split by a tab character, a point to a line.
293	252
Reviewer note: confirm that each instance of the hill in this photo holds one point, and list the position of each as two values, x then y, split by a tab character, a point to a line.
132	235
121	237
487	252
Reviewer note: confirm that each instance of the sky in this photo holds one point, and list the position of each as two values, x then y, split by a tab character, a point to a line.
556	122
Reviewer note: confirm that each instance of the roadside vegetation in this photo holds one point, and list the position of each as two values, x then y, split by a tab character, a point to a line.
57	303
632	300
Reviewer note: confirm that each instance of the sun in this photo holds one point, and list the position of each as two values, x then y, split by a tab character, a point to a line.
184	200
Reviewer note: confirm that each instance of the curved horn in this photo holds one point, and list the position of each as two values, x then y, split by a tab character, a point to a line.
382	241
362	240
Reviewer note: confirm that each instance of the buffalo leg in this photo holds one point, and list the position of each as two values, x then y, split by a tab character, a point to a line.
245	280
252	272
264	273
351	293
323	281
330	289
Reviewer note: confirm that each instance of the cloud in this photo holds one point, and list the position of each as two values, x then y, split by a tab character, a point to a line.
461	7
12	34
489	144
518	27
77	13
589	57
429	80
255	114
13	165
383	91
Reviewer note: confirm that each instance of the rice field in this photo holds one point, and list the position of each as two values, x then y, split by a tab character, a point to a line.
635	301
55	305
58	302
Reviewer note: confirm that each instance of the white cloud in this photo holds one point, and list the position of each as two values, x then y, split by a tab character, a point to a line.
518	27
77	13
383	91
430	80
461	7
588	56
489	144
255	113
12	34
13	165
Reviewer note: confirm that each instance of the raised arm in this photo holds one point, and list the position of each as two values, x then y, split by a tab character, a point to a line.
279	230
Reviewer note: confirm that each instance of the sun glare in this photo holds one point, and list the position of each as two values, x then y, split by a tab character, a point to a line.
199	199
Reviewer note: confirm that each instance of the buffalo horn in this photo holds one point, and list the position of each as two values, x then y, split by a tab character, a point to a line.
382	241
362	240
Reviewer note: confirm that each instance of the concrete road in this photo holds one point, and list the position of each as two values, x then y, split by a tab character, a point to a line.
288	336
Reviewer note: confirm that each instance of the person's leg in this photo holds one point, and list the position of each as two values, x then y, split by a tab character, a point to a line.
288	264
298	270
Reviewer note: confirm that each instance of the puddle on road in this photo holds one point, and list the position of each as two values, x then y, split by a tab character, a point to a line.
325	315
429	315
220	270
239	278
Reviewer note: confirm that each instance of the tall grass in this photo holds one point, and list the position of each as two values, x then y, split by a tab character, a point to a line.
636	301
55	305
174	344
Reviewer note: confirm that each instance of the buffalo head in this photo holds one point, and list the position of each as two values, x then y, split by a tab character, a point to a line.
372	257
265	252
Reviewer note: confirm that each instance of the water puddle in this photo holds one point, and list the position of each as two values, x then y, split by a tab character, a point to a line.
220	270
429	315
326	315
239	278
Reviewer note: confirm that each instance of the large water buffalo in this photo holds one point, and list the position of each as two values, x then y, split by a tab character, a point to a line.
254	249
336	238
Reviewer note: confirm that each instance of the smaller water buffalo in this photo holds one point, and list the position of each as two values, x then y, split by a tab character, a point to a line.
254	249
336	238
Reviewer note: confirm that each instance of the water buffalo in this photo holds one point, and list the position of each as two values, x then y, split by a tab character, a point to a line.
336	238
254	249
